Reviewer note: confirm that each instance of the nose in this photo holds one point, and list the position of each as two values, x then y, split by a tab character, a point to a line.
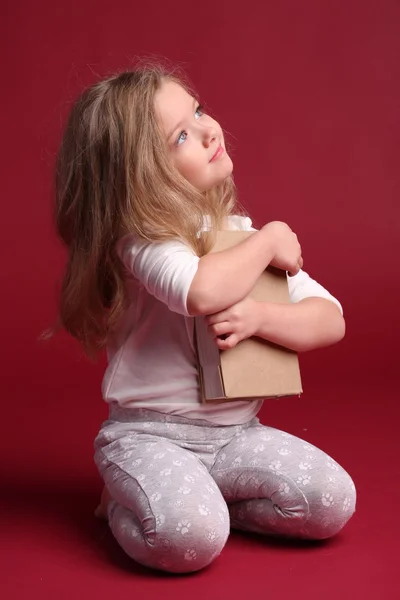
210	135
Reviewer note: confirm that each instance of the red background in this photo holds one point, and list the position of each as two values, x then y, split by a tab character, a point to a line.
309	92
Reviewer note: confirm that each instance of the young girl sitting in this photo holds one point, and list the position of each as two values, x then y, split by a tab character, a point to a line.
142	171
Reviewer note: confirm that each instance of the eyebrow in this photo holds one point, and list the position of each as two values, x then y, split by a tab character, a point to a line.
195	102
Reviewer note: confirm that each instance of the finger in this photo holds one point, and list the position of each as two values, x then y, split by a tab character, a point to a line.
220	329
294	271
227	344
216	318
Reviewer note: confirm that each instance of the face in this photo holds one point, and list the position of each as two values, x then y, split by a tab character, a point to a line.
195	140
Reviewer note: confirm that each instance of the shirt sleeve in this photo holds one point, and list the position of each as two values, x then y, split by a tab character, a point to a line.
240	223
165	269
302	286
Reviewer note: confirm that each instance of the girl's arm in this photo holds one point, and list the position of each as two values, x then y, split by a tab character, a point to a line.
306	325
309	324
191	286
312	319
225	278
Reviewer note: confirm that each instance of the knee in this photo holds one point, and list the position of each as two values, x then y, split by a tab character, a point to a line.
331	510
192	545
169	542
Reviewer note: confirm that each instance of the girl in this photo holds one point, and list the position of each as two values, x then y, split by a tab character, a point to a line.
142	171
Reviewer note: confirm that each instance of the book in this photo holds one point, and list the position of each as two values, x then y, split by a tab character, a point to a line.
255	368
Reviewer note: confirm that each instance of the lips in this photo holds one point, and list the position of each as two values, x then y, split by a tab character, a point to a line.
219	151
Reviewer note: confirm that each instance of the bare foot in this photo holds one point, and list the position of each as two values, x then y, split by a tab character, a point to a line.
101	510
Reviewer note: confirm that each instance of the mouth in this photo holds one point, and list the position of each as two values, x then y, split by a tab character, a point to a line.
218	153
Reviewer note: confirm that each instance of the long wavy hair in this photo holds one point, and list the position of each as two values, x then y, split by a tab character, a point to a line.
114	176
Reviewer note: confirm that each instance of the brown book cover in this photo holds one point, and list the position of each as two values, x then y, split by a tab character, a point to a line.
255	368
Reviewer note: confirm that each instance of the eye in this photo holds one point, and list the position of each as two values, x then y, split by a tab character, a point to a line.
183	134
182	137
199	111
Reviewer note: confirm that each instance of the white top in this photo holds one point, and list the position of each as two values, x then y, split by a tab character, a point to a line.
152	359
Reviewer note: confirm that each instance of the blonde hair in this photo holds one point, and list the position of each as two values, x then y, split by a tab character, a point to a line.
114	176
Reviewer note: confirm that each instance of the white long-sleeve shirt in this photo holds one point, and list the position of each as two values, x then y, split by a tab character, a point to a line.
152	358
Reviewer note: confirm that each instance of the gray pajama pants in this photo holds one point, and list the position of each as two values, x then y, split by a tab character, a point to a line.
178	485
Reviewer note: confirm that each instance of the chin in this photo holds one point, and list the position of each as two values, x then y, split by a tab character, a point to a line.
216	183
217	179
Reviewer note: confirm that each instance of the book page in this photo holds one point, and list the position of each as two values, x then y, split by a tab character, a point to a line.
209	361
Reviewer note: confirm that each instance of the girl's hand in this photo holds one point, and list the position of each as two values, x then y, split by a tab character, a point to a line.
287	249
236	323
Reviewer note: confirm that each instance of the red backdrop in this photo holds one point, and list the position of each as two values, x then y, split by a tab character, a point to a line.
309	93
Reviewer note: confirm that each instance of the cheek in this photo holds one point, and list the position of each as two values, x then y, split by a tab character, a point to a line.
188	163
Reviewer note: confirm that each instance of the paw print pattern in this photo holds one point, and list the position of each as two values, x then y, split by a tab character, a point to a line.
275	465
221	458
165	543
237	462
304	466
134	530
189	479
125	443
284	451
190	554
259	448
165	563
211	535
284	488
183	526
303	479
204	510
155	497
308	447
332	465
346	504
163	483
184	489
159	455
160	520
327	499
166	472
